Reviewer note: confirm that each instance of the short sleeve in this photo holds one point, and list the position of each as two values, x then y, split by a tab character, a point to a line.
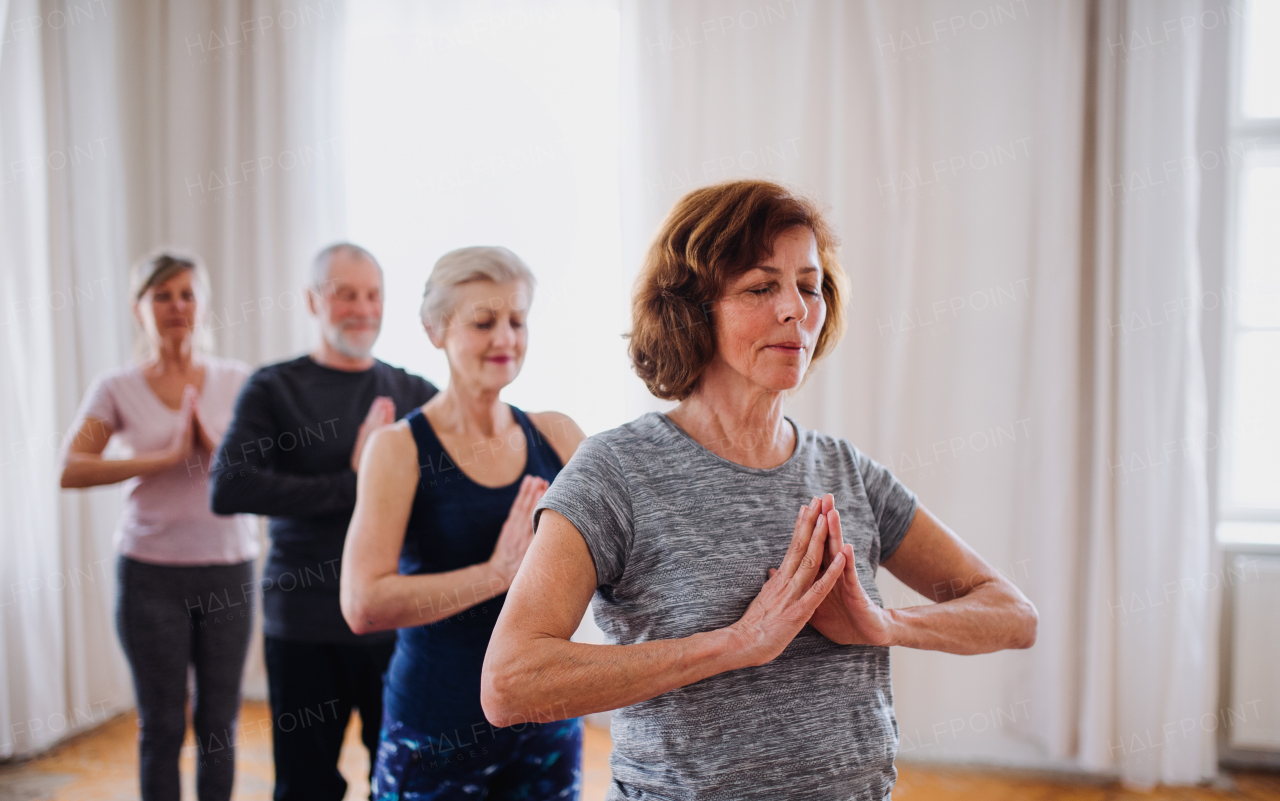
100	403
893	505
592	493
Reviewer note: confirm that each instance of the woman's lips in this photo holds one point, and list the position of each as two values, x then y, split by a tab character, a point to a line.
501	359
786	347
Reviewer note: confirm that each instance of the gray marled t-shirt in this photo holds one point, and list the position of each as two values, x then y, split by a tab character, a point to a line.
682	540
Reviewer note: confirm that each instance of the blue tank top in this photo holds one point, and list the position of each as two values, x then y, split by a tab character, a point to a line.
433	682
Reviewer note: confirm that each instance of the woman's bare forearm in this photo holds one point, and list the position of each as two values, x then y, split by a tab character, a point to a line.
394	601
83	470
553	678
990	617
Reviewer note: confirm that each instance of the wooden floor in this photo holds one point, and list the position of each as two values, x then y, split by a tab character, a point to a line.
101	765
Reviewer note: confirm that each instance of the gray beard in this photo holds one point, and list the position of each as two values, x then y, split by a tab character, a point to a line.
339	342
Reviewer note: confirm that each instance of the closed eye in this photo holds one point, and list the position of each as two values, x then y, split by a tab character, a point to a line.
813	293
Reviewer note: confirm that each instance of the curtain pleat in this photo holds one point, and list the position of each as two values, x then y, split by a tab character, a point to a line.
124	127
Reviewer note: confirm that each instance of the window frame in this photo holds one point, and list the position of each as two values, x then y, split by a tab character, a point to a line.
1243	134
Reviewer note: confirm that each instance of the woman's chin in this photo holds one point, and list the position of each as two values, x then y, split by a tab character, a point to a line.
495	377
176	335
780	380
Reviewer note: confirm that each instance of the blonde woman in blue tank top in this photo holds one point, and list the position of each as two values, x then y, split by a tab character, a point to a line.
443	517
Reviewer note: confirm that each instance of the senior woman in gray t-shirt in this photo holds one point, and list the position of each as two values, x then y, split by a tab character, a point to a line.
675	521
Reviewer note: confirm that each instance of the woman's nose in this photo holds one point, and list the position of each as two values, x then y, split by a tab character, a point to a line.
504	333
792	306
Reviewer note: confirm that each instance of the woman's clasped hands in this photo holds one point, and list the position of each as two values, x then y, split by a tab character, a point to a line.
817	584
188	434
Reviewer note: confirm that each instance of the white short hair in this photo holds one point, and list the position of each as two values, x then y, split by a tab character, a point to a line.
324	259
462	266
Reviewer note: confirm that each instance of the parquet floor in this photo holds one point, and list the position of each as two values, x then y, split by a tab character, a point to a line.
101	765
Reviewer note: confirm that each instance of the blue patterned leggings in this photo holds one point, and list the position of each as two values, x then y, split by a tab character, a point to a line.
535	761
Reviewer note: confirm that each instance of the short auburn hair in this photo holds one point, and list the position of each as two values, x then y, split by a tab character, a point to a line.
711	236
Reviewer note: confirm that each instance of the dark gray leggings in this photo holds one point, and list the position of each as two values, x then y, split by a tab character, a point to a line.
169	618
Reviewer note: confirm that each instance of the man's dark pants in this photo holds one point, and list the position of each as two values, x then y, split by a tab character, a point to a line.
313	688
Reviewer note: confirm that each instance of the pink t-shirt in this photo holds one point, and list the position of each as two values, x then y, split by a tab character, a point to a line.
166	518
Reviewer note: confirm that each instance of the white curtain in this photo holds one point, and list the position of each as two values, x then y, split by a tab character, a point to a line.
232	129
124	127
61	247
969	154
1151	673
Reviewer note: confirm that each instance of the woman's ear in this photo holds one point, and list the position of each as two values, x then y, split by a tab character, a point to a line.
433	335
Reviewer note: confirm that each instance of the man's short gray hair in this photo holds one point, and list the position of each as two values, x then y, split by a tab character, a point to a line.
462	266
320	265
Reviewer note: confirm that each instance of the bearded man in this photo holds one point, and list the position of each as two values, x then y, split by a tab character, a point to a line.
292	453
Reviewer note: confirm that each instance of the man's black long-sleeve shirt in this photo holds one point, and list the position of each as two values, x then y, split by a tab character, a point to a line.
287	455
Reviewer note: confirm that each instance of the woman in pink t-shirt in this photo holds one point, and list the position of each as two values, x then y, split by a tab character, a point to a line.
185	574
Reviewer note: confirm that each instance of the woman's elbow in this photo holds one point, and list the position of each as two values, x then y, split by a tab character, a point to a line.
356	613
355	622
499	692
1028	620
69	479
491	701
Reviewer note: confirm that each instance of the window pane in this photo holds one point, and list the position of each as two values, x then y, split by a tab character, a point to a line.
1255	470
1258	262
1260	78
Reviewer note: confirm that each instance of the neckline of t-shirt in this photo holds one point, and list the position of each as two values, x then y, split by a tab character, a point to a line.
334	370
209	367
741	468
